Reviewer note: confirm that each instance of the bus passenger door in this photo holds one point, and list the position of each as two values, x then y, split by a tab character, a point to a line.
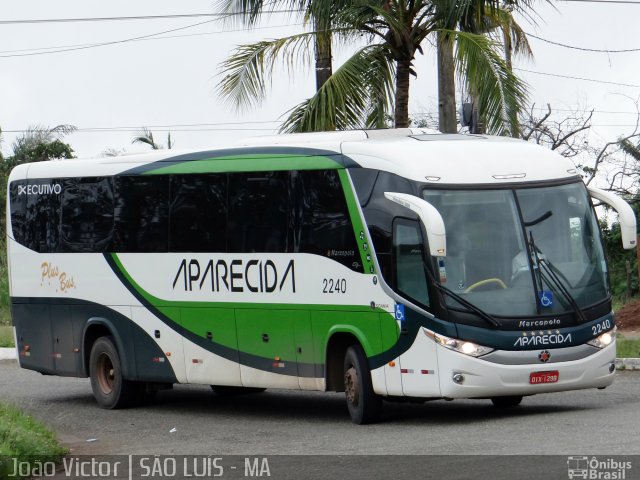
213	358
267	346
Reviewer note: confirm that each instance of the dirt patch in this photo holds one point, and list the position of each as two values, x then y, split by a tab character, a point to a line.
628	317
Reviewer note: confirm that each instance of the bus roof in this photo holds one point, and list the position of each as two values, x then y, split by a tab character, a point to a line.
417	154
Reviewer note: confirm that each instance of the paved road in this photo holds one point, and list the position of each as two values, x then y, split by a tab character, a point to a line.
591	422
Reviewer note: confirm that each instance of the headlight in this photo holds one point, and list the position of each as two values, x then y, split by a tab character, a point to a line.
461	346
604	340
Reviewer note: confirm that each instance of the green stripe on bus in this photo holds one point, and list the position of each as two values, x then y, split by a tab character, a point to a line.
376	328
250	163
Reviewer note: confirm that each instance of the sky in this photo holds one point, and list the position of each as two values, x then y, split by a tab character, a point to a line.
169	84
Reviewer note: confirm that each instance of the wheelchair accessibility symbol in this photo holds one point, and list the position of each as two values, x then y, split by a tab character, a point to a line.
546	298
400	312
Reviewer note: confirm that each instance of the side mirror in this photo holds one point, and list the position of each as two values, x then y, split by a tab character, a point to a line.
429	216
626	215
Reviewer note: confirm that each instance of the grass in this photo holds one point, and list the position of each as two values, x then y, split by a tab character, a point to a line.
628	347
25	439
6	337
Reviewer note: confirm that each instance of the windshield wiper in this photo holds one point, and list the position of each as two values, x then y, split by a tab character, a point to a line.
547	272
470	306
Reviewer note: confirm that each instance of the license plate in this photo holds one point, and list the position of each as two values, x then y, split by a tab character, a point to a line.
543	377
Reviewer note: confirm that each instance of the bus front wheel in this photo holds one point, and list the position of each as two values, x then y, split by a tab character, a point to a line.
363	404
109	387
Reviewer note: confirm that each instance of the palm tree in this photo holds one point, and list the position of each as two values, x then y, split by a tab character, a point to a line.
375	80
319	13
39	143
485	18
146	136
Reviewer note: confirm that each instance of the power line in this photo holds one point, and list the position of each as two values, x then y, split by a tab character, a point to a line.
43	50
114	42
578	78
583	49
137	17
553	109
180	127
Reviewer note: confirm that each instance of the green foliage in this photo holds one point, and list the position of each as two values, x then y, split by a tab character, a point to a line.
627	347
355	96
38	144
40	152
5	315
25	439
6	337
617	258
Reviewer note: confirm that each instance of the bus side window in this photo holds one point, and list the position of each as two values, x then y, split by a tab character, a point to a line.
42	225
86	214
198	213
322	222
408	248
141	213
364	179
258	212
18	210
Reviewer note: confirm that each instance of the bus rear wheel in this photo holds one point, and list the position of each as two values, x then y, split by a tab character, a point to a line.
110	389
506	402
363	404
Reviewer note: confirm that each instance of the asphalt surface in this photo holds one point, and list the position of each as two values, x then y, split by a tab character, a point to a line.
192	420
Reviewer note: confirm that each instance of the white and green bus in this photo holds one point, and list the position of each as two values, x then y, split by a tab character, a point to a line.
387	264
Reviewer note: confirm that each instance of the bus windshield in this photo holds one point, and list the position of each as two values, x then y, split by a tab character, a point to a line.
521	252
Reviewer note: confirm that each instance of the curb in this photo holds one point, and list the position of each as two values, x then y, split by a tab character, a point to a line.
627	363
9	354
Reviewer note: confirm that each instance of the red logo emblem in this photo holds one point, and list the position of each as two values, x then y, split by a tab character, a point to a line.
544	356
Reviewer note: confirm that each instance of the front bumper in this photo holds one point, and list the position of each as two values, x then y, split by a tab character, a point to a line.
482	379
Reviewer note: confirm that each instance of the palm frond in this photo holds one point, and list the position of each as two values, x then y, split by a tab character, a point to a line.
501	95
506	23
248	70
357	95
146	137
62	130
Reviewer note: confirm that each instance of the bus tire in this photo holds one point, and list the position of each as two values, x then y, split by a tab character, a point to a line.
110	389
229	390
506	402
363	404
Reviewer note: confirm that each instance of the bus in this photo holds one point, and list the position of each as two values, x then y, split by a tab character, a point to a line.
389	265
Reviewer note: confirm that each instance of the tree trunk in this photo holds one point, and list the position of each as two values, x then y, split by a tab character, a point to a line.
508	53
323	59
401	119
446	86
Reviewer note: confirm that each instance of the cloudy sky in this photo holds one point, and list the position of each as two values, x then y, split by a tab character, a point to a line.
51	74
